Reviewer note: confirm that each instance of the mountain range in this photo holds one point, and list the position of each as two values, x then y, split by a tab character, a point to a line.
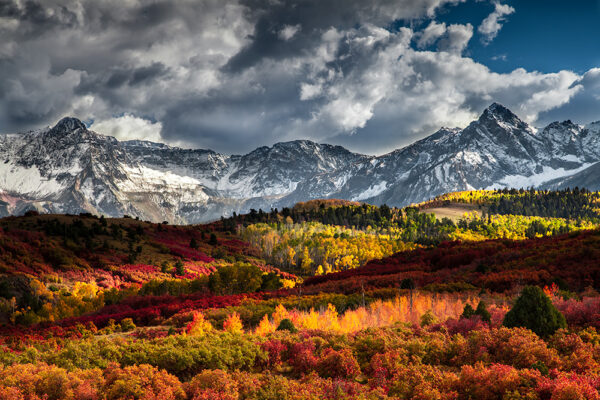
71	169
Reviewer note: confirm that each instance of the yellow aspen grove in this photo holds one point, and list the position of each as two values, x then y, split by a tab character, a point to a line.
307	263
233	323
265	327
403	309
199	325
280	314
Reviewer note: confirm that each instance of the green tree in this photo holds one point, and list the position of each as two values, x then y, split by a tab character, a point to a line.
179	269
193	243
483	312
270	281
236	278
468	312
534	310
287	325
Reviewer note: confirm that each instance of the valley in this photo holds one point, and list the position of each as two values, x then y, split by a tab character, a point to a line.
330	295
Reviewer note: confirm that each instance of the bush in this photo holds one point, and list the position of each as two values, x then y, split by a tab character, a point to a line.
534	310
186	356
127	325
141	382
428	318
496	381
43	381
338	364
212	384
237	278
287	325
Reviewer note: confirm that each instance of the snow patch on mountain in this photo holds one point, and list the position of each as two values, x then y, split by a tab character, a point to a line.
27	180
372	191
536	180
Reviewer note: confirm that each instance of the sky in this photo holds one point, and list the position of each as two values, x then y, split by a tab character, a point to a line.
233	75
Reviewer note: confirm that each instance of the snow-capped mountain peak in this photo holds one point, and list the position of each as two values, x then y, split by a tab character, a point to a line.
69	125
69	169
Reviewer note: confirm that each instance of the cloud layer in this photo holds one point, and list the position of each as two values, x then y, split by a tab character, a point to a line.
233	75
492	24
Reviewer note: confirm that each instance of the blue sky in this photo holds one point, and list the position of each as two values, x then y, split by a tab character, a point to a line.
232	75
543	36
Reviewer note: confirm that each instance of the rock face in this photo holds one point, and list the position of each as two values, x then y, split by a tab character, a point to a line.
498	150
70	169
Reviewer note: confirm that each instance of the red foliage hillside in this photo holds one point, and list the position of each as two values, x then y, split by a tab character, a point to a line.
497	265
112	252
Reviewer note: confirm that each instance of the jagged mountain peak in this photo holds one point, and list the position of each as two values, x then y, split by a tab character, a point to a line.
72	169
69	125
562	124
498	113
303	144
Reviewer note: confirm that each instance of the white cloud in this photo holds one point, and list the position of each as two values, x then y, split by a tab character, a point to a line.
431	34
129	127
394	94
363	87
308	91
457	38
492	24
453	38
289	31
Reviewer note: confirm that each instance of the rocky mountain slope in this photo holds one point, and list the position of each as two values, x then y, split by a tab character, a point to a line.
70	169
498	150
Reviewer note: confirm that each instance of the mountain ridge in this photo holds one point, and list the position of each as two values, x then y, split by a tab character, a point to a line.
68	168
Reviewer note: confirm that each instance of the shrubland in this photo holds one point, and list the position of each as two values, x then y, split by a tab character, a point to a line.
500	303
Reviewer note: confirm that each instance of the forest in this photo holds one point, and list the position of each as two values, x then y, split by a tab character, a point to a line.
324	300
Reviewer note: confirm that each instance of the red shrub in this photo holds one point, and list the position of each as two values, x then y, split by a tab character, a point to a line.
494	382
338	364
302	356
275	350
569	387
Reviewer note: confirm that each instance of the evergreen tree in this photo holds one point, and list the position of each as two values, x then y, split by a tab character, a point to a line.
468	312
287	325
483	312
534	310
179	269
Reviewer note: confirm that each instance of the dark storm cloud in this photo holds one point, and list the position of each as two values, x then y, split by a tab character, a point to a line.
37	16
236	74
118	77
313	17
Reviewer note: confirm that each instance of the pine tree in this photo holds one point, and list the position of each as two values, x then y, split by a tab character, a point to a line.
179	269
534	310
468	312
483	312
